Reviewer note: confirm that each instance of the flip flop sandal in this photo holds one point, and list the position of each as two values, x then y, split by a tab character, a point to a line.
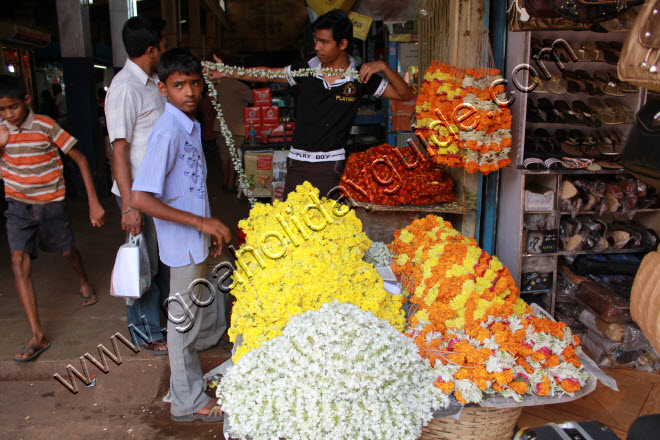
557	85
570	146
590	84
596	54
37	352
612	85
547	111
214	415
573	84
617	137
601	80
534	115
605	114
582	54
88	297
610	55
587	114
538	84
563	110
622	113
627	87
152	346
544	146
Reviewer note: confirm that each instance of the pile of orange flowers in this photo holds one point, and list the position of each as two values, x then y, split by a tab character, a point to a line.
459	116
466	317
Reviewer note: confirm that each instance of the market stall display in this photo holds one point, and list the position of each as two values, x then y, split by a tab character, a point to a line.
387	175
463	118
467	318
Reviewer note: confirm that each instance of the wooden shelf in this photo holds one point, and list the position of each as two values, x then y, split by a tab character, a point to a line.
632	211
603	171
441	208
589	252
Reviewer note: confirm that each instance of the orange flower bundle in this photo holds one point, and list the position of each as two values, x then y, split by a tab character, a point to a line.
388	175
466	317
460	119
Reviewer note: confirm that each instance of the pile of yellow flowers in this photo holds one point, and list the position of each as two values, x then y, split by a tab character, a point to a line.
297	256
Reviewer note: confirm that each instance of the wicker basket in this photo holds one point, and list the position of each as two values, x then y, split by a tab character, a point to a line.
475	423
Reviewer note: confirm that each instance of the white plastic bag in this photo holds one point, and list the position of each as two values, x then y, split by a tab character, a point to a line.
131	274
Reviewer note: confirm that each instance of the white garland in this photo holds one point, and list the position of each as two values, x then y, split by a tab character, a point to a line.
337	373
378	254
263	73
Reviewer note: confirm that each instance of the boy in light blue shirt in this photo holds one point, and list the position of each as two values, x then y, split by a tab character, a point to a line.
171	187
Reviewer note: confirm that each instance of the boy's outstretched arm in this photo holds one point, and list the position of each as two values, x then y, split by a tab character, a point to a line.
150	205
96	211
247	77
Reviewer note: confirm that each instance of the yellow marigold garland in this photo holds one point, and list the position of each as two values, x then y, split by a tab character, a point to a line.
298	255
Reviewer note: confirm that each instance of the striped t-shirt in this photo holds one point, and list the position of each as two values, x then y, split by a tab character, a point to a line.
31	165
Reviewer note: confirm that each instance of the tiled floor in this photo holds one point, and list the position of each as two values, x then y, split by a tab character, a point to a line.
639	394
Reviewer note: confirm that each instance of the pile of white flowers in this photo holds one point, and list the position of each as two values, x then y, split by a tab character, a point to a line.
378	254
336	373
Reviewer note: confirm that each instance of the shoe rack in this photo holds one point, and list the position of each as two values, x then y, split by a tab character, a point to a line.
515	179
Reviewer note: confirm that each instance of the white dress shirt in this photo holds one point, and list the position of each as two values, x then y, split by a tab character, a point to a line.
132	107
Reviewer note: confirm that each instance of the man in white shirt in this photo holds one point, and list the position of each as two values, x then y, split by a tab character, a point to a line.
132	106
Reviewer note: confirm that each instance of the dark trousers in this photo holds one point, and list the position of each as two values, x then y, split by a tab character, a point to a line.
322	175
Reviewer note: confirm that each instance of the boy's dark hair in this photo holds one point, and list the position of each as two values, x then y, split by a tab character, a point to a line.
12	87
178	60
141	33
337	20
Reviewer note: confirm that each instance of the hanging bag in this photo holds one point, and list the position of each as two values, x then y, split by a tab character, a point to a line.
520	21
639	63
641	153
592	11
131	274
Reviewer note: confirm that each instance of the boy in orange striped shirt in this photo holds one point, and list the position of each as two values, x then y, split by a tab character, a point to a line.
34	189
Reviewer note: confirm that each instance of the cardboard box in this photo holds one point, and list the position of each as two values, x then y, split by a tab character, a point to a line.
279	165
401	113
270	115
541	242
539	198
261	97
278	191
275	132
251	116
259	173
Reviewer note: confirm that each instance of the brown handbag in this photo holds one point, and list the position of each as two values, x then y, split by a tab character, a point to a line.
639	63
540	9
592	11
515	24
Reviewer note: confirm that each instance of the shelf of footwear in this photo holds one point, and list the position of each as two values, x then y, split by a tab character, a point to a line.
588	252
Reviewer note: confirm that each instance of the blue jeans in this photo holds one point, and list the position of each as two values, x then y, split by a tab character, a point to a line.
143	316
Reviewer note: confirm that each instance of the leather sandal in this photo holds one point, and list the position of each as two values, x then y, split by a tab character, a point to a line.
596	54
547	111
558	85
612	85
604	113
573	84
590	84
610	54
586	114
563	110
622	113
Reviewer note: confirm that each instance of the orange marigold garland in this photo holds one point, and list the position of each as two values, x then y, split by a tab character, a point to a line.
466	317
459	117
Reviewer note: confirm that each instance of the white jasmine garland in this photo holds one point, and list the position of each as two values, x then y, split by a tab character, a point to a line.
337	373
378	254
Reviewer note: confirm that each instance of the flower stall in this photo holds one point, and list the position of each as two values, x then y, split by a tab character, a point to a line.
324	350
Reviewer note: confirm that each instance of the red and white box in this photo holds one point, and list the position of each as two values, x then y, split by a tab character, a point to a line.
252	116
270	115
261	97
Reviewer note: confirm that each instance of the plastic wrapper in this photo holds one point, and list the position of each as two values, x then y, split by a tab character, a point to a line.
537	222
570	310
608	354
603	302
612	331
